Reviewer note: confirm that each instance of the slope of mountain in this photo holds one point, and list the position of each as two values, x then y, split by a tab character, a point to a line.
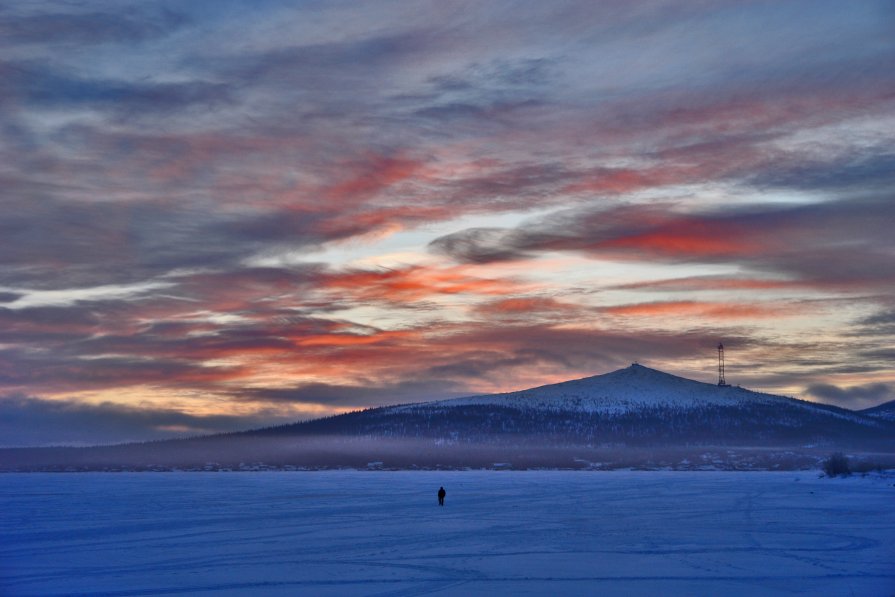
635	388
636	405
884	411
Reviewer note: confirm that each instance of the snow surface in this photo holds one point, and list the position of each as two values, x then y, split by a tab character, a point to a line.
382	533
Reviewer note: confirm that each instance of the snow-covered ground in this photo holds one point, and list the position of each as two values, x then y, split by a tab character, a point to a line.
511	533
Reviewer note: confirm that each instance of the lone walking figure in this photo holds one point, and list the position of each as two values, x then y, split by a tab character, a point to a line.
441	494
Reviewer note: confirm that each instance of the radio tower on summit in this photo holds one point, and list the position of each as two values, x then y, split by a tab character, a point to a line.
721	381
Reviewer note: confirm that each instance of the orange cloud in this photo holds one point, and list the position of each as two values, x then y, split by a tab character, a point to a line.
525	306
697	308
337	340
697	283
415	283
379	173
685	240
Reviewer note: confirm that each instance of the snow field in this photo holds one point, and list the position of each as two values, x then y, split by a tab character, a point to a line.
382	533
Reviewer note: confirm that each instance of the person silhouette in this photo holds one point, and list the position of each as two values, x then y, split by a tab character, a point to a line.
441	494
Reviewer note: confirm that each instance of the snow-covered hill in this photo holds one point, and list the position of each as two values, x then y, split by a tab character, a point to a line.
635	405
635	388
884	411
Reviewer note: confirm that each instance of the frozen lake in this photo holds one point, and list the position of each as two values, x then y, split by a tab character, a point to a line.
382	533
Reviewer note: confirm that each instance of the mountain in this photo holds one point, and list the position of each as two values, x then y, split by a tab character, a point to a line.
884	411
632	406
635	416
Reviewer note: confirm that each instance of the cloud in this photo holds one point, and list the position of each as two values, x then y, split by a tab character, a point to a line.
377	174
357	396
90	243
867	171
307	62
248	179
48	325
840	243
710	283
62	371
148	161
530	308
88	28
40	88
700	309
853	397
481	245
881	318
30	421
402	285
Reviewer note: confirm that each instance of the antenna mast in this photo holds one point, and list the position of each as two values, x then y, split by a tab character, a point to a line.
721	381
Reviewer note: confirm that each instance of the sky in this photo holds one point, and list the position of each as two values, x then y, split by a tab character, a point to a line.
221	215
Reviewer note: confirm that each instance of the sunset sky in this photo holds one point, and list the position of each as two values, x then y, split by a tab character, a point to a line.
219	215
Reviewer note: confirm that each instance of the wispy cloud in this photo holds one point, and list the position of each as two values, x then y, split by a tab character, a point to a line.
30	421
830	243
75	28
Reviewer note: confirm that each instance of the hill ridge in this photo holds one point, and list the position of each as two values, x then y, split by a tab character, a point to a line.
632	387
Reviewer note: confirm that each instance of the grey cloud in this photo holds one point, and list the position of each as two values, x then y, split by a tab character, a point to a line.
480	245
29	421
486	113
281	226
884	356
514	183
854	397
498	93
47	327
480	364
875	170
846	242
881	318
500	73
168	348
62	370
359	396
41	87
326	62
58	244
88	28
50	316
